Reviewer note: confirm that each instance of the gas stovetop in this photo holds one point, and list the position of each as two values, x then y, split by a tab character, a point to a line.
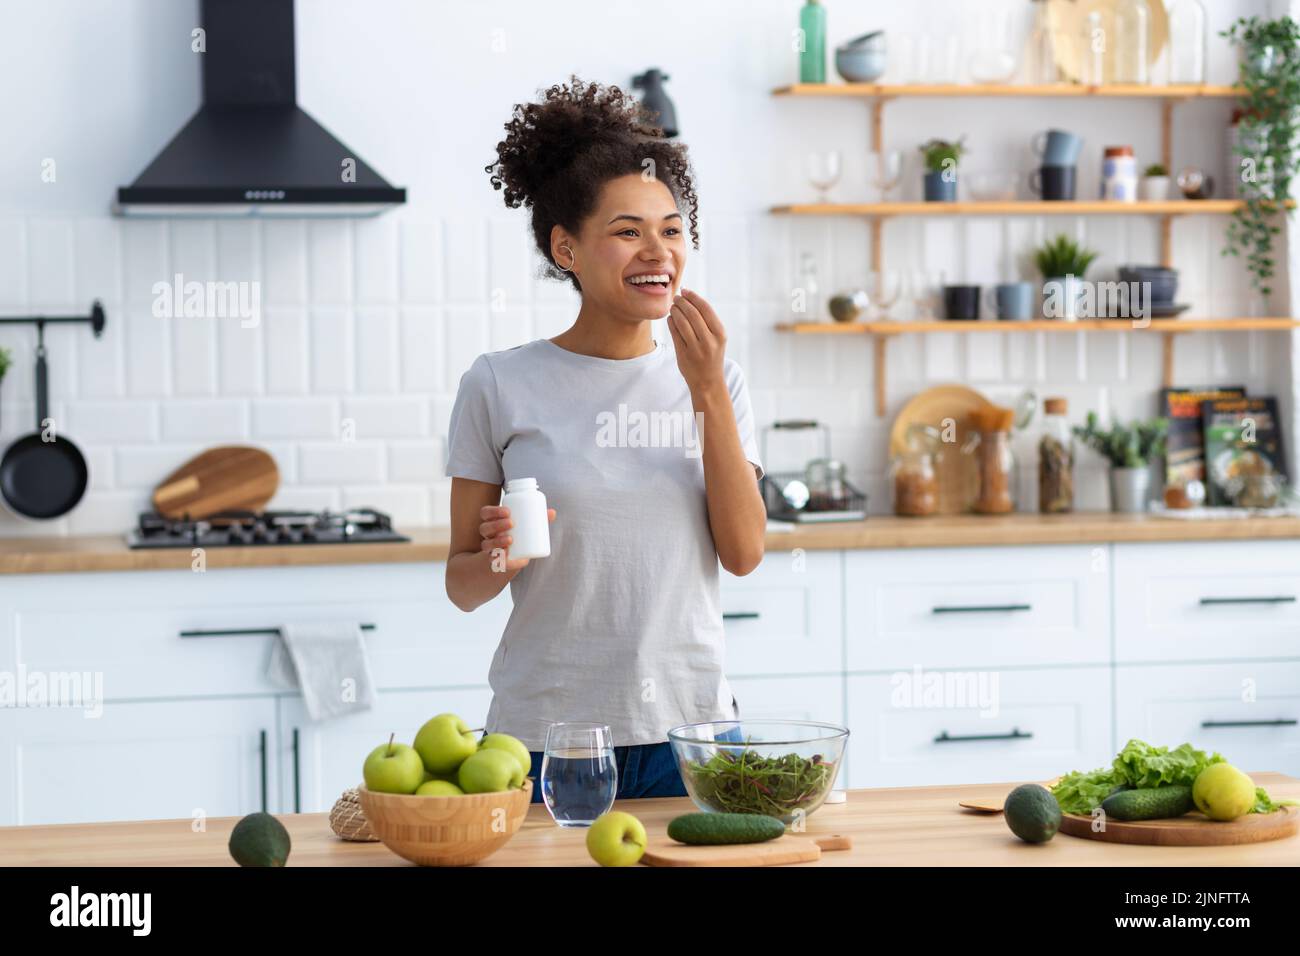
233	529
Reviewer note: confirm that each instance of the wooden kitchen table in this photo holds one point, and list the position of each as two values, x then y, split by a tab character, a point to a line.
912	826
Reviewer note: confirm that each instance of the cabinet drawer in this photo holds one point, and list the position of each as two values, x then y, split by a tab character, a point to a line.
785	617
1207	600
1250	713
975	607
128	627
934	727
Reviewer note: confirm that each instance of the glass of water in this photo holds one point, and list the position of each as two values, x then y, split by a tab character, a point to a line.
579	776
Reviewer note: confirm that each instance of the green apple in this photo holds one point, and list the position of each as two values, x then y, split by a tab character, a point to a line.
511	745
490	771
444	742
439	788
393	768
616	839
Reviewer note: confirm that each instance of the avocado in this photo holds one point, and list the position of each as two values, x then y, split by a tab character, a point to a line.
1032	813
707	829
1156	803
259	840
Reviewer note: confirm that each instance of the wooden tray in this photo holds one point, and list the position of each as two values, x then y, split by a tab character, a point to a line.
226	478
791	848
1192	829
958	480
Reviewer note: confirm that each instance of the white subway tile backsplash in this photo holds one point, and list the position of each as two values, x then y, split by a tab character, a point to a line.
415	460
97	261
370	418
421	262
108	512
508	328
466	337
341	462
300	498
509	262
376	259
377	349
50	255
144	259
113	421
407	505
220	420
329	261
145	466
13	263
239	356
284	333
332	364
284	262
295	418
465	255
194	355
148	352
421	349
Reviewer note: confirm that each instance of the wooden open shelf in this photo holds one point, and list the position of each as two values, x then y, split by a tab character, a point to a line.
1018	207
1040	325
1179	91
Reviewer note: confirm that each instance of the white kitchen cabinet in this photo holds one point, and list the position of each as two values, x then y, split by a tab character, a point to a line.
138	760
785	616
321	759
1249	712
936	727
1207	601
976	607
128	627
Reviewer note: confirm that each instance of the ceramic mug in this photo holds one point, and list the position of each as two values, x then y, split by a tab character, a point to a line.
1053	182
961	302
1014	301
1056	147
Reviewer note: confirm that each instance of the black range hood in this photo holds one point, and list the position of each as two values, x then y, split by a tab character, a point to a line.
250	150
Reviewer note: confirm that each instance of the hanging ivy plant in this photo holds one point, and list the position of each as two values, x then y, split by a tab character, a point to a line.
1269	74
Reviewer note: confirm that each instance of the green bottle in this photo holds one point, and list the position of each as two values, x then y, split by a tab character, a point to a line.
812	60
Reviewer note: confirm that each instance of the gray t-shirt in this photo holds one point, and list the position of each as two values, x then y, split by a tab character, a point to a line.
622	623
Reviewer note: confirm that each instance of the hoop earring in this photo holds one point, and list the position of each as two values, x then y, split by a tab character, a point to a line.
573	260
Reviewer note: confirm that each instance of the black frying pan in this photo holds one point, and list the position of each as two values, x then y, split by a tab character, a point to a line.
42	476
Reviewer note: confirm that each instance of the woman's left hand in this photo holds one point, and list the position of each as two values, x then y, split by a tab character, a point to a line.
700	341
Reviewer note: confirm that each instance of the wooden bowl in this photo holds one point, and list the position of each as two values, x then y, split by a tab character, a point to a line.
446	831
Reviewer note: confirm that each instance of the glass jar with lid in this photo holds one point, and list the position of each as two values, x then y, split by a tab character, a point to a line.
995	465
913	473
1132	20
1055	459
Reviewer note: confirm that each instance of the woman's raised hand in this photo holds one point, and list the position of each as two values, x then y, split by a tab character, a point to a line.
495	530
700	341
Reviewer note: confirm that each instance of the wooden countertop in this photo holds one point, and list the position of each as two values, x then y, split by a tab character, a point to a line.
919	826
110	553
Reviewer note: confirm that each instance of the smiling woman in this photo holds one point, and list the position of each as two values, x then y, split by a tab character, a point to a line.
621	624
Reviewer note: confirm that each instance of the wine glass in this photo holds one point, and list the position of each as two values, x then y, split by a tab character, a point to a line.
887	171
824	172
579	775
923	288
883	288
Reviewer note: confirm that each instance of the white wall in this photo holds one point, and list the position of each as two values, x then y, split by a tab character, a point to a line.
375	320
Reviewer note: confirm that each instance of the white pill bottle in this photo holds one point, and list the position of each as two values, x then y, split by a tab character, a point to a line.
532	528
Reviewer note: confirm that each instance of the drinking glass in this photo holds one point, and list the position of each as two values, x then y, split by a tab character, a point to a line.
883	288
824	172
923	288
579	775
886	171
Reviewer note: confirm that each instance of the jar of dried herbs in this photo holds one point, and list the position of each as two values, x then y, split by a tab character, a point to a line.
994	462
1055	459
916	482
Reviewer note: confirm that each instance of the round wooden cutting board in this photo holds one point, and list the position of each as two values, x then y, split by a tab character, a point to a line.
1192	829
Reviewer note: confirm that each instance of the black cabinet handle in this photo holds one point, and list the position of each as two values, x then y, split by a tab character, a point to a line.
1015	734
740	616
979	608
248	632
1276	599
262	760
1280	722
297	792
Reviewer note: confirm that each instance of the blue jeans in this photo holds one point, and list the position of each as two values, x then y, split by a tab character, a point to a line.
646	770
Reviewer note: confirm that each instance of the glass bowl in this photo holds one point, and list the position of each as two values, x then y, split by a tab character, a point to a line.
777	768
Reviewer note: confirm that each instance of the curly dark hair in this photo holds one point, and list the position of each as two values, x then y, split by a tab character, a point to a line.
559	152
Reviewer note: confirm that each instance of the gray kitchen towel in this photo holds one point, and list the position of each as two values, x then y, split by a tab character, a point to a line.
328	662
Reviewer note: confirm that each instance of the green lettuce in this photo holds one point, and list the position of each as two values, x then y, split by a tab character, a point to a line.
1078	792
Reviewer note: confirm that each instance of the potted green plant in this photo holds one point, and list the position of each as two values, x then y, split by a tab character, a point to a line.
1130	449
1062	263
941	158
1269	75
1154	186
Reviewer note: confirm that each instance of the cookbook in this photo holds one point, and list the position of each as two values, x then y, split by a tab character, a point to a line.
1185	442
1244	458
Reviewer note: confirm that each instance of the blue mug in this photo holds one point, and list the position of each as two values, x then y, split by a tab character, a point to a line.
1015	301
1057	147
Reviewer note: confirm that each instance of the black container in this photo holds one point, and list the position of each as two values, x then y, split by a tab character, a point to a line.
1053	182
961	303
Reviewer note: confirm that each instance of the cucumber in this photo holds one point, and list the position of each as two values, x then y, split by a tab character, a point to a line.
708	829
1158	803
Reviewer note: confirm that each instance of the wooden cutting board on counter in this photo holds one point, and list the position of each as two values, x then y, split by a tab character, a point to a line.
791	848
226	478
1192	829
958	480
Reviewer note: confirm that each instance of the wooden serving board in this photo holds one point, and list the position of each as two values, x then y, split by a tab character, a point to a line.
791	848
226	478
1192	829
